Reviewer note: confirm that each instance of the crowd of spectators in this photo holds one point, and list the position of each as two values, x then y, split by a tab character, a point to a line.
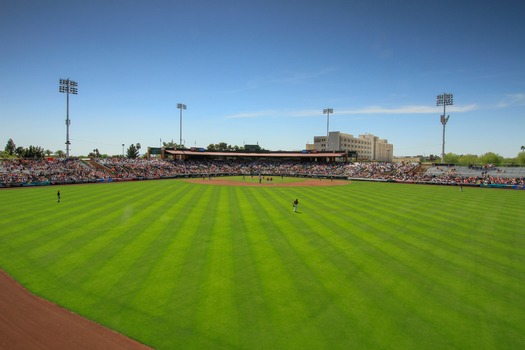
45	171
16	172
131	169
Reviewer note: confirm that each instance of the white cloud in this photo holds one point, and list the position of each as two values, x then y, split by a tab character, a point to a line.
366	110
512	100
407	110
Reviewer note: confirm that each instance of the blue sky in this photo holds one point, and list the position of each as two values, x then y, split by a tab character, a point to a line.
262	72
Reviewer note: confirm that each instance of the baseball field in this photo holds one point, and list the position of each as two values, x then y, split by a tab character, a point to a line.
227	264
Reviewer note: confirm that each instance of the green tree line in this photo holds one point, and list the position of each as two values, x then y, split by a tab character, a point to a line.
486	158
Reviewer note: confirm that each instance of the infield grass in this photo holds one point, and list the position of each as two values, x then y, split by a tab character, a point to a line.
178	265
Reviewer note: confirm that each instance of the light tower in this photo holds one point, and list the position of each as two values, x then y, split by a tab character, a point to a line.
444	100
69	87
327	111
181	106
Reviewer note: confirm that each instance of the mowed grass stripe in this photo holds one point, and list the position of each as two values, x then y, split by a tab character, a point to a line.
368	291
108	246
287	311
341	306
166	294
253	307
485	271
343	228
154	292
471	251
331	291
154	255
181	309
446	261
46	228
308	288
461	221
171	259
351	291
448	291
378	231
408	281
134	261
216	313
124	221
95	229
454	244
174	219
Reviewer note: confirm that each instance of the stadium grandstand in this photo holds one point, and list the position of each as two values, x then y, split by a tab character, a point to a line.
198	163
195	153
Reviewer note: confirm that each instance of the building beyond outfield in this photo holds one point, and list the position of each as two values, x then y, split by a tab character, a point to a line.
367	147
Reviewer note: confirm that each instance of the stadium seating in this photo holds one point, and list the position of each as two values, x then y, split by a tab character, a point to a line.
62	171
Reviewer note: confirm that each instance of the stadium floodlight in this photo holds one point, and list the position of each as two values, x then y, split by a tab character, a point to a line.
68	86
444	100
327	111
181	106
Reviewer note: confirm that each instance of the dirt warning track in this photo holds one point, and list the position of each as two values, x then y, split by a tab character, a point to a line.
30	322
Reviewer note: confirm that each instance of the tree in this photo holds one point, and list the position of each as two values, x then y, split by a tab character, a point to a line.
34	152
60	153
95	153
223	146
171	144
10	147
133	151
20	151
468	159
491	158
520	159
451	158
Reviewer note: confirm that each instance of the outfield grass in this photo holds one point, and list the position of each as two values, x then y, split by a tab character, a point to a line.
178	265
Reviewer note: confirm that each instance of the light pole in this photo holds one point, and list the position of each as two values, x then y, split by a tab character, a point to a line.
69	87
444	100
122	150
181	106
327	111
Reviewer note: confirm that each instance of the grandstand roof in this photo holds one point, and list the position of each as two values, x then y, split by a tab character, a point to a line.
261	155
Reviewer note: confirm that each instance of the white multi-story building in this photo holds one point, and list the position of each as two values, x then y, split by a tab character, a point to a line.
367	146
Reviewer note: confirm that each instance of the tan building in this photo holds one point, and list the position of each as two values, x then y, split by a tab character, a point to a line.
368	147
